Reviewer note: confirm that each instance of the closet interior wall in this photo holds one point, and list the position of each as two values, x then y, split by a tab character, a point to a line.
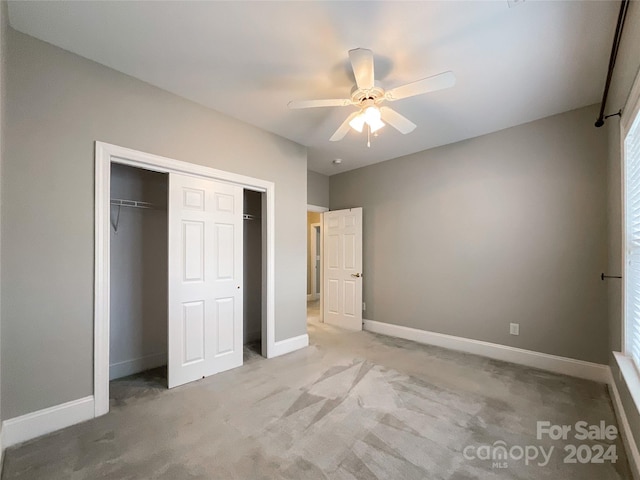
252	233
138	317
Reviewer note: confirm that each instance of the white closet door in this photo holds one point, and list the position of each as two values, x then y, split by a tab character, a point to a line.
343	268
205	278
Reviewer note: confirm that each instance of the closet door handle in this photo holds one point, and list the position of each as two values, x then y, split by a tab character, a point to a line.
357	275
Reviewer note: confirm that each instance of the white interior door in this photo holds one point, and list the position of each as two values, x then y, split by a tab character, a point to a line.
342	294
205	278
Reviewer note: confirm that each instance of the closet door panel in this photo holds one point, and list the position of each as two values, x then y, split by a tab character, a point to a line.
205	278
228	270
193	239
225	320
224	254
193	330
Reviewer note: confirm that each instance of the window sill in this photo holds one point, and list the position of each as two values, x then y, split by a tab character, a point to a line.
630	376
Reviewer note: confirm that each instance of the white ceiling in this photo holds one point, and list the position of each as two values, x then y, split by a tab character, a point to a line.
248	59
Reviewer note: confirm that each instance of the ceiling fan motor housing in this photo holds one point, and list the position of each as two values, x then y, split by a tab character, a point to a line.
360	97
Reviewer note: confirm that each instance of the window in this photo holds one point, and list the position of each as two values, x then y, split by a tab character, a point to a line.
632	240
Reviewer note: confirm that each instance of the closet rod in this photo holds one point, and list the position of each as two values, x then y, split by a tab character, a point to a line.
131	203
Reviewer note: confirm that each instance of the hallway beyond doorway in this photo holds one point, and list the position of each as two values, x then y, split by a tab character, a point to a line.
313	311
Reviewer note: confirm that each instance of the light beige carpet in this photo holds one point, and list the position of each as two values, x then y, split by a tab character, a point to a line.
351	406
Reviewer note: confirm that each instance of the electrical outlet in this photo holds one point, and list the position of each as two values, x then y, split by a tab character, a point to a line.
514	328
364	307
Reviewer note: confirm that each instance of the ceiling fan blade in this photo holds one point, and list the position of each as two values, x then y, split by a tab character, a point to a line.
332	102
362	64
343	129
426	85
397	121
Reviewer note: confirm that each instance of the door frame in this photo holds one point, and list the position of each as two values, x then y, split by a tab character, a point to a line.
105	155
315	229
319	209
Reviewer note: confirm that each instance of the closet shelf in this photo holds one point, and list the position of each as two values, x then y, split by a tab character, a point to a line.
132	203
119	202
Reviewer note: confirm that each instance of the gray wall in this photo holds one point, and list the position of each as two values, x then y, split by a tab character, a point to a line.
507	227
317	189
139	275
3	55
627	67
59	105
252	268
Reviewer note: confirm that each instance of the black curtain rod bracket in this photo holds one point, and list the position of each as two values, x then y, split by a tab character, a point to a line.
603	276
617	114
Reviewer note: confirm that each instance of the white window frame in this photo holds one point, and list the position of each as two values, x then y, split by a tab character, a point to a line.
628	117
628	368
629	371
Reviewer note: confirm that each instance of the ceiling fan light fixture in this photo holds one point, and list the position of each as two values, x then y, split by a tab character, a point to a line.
371	115
376	125
357	123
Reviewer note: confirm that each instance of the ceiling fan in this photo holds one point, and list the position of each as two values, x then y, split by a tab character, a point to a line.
368	97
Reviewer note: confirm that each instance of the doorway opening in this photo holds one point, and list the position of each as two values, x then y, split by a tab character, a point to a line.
314	263
172	193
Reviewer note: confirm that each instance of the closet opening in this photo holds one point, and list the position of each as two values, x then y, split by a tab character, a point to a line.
185	294
138	281
138	345
254	275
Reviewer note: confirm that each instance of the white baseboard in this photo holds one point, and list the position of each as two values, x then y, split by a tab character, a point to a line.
553	363
630	446
289	345
312	296
129	367
32	425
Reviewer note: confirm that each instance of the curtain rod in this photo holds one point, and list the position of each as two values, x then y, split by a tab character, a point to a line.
624	5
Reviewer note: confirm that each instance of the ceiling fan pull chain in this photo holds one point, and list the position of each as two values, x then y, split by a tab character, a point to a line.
368	136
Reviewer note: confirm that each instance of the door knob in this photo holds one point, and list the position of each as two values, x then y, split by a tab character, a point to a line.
357	275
